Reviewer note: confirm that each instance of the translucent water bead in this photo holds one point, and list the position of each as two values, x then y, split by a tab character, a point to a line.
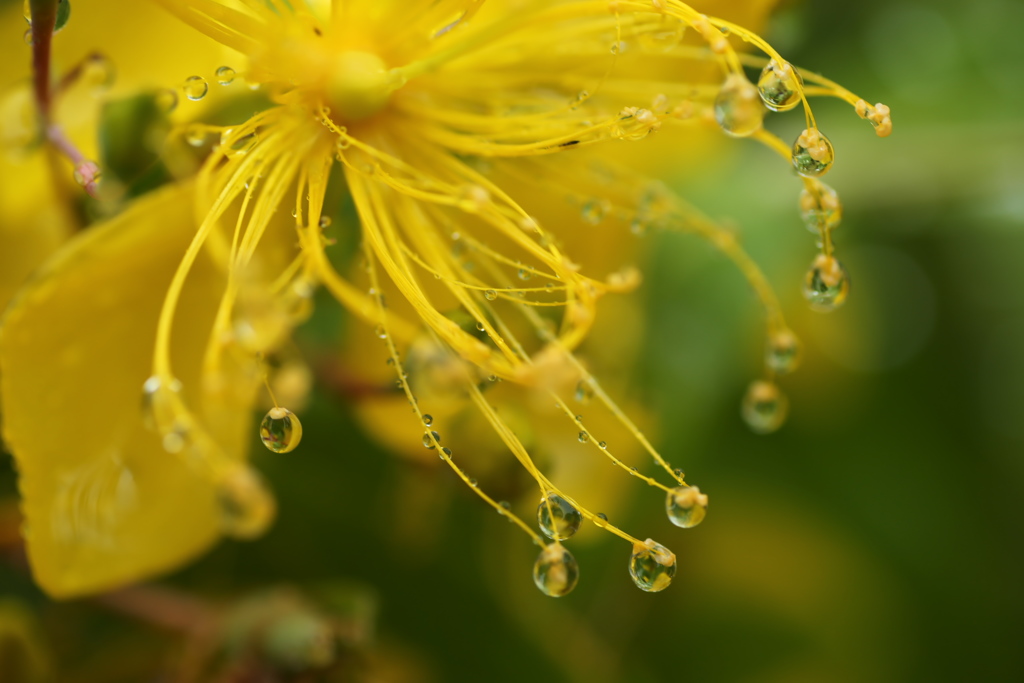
555	572
195	88
820	207
686	506
281	430
779	86
558	518
764	407
826	284
783	352
738	108
813	154
652	566
246	507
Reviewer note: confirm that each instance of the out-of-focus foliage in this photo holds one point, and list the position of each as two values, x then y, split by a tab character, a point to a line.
877	537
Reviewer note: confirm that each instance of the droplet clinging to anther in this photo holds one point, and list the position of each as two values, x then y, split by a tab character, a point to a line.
738	107
558	518
783	351
686	506
555	572
652	566
779	86
826	284
813	154
820	207
195	88
764	407
281	430
246	507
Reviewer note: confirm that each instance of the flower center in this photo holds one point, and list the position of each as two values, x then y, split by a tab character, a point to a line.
359	85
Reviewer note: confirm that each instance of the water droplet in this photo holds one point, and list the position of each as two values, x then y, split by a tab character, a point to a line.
505	506
158	410
474	483
428	442
380	332
490	295
246	507
480	326
524	274
602	516
195	134
813	154
167	100
783	352
555	572
820	207
652	566
27	36
738	107
281	430
779	86
324	222
603	445
195	88
99	73
686	506
584	392
558	518
595	210
428	419
826	284
447	452
764	407
225	75
234	145
659	32
583	437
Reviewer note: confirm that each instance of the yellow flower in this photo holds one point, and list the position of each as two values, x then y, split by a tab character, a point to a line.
459	129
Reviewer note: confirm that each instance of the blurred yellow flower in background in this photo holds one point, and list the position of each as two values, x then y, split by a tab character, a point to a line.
485	150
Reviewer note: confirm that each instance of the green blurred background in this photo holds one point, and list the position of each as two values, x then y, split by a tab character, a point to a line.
879	536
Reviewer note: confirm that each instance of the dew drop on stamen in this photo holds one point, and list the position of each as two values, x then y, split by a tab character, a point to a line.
595	210
652	566
738	107
225	75
764	407
195	88
783	352
555	572
813	154
324	222
558	518
686	506
429	438
826	284
195	135
779	86
583	437
820	207
428	419
490	295
246	507
281	430
584	392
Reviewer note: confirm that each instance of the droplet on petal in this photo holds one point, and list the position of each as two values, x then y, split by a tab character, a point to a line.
225	75
195	88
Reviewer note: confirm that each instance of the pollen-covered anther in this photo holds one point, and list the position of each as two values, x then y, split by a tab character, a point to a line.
359	85
879	116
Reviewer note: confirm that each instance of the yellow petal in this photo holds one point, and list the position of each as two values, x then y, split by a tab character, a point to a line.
104	503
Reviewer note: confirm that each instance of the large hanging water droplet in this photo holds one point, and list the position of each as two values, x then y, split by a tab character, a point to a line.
225	75
779	86
764	407
558	518
246	507
826	284
686	506
195	88
281	430
783	351
555	572
820	207
738	107
813	154
652	566
659	32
